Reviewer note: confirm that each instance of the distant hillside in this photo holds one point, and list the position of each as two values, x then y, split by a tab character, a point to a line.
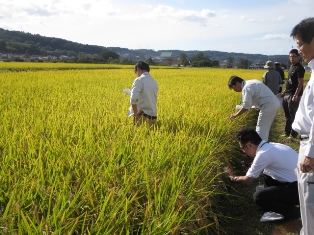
16	42
26	43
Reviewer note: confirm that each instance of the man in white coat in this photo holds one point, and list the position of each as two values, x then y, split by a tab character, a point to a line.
144	95
303	33
255	93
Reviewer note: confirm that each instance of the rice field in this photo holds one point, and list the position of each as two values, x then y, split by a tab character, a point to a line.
73	163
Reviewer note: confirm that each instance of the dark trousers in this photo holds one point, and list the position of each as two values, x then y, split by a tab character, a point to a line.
290	108
279	197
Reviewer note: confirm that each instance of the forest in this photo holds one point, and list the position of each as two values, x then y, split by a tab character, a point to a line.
27	44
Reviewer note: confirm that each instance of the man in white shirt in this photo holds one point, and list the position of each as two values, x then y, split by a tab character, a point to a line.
303	33
277	164
255	93
144	95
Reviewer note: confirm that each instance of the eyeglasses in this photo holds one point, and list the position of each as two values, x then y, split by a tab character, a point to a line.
232	87
300	45
244	146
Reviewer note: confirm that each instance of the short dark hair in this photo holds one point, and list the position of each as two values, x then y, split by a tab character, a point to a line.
294	51
142	65
304	29
247	134
233	80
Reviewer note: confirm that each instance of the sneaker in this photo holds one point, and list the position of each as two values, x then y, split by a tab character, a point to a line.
271	216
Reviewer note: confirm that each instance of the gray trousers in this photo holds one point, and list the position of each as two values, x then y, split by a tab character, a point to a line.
306	195
266	118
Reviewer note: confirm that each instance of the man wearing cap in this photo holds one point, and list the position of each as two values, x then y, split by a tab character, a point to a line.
293	92
272	78
282	74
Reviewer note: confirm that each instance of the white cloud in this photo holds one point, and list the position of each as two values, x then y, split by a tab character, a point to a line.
247	19
275	36
176	24
306	2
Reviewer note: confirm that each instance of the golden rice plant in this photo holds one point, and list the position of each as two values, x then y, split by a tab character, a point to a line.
73	163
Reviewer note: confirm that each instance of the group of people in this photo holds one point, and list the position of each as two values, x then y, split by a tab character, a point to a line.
264	95
288	190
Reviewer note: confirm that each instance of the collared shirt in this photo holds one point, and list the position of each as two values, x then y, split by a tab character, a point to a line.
275	160
144	94
255	93
304	118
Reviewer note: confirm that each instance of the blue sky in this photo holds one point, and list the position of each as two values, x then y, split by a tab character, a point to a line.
256	27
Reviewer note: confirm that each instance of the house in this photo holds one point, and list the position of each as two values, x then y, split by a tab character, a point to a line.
167	58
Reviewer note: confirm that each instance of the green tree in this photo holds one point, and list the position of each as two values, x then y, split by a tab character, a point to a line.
106	55
3	46
150	61
230	61
184	59
200	60
215	63
243	63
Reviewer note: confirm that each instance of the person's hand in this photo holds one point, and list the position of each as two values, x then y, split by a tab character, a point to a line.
229	172
233	116
307	165
295	99
138	115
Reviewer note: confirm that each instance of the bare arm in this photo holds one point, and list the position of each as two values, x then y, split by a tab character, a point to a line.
245	180
299	88
135	111
235	115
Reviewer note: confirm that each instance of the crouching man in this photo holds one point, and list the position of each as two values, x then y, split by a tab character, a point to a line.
277	163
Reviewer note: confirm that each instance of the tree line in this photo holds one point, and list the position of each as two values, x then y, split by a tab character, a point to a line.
26	44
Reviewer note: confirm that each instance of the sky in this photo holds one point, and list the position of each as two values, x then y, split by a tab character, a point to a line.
242	26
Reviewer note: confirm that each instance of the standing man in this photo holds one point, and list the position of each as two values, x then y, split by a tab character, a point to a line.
272	78
144	95
256	93
303	33
277	164
293	93
282	74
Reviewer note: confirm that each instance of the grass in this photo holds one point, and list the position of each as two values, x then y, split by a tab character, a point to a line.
240	214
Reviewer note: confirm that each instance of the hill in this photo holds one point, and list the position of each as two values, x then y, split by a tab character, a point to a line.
16	42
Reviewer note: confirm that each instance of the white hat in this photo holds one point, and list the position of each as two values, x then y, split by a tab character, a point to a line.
269	65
